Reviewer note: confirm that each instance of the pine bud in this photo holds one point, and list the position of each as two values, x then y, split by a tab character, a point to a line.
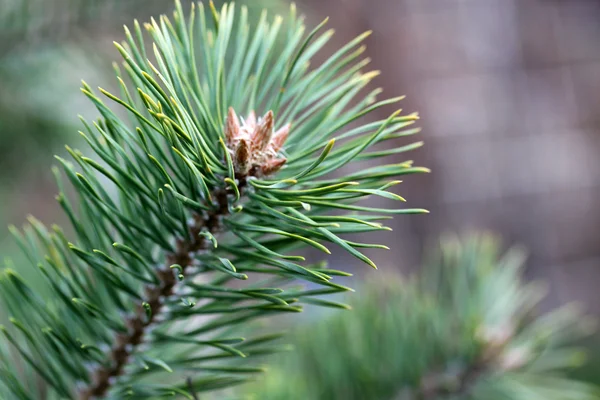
232	127
263	133
241	161
253	144
251	120
273	165
280	137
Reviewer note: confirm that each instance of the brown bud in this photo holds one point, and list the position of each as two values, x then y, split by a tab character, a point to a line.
251	120
273	165
280	137
232	126
263	133
241	160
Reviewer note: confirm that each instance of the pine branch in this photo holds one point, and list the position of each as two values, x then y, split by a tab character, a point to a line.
181	197
147	312
464	328
187	248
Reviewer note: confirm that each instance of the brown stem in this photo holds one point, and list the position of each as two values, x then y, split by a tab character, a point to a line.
102	378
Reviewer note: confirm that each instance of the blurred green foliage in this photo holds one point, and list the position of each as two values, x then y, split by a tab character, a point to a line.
465	328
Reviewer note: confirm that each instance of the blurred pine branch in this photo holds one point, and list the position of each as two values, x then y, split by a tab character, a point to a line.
464	328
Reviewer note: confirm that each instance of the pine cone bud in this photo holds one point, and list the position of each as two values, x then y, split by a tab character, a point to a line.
232	127
254	144
251	120
263	133
280	137
273	165
241	161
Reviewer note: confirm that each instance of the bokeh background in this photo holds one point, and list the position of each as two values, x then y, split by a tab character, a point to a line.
508	92
509	96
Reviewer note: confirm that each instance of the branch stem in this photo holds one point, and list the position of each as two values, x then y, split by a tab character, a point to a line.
103	376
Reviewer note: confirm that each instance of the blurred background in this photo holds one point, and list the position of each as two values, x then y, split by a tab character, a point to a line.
508	92
509	97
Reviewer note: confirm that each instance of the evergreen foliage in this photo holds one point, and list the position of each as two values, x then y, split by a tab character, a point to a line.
181	200
464	328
